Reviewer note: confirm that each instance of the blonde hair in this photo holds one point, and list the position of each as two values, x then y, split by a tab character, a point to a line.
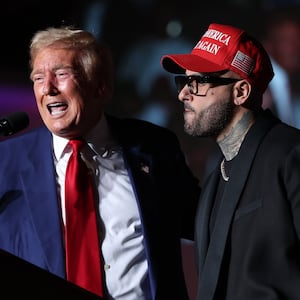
93	57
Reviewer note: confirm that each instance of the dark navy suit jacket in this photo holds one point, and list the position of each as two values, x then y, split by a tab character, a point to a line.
166	192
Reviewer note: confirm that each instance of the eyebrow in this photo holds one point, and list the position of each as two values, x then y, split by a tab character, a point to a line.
54	69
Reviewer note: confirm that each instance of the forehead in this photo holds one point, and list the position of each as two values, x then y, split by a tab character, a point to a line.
49	57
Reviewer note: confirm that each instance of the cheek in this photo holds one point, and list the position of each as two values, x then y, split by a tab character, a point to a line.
37	89
220	92
38	94
66	85
211	92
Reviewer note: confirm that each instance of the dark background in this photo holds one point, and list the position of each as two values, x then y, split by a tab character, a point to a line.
137	33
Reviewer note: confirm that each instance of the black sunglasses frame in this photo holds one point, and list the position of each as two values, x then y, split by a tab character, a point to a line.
182	80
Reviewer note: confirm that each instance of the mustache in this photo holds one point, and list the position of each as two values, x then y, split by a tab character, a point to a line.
187	106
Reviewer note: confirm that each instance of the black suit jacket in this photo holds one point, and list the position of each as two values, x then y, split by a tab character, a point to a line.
254	249
166	192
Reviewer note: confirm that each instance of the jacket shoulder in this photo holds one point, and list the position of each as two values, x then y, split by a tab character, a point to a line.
136	129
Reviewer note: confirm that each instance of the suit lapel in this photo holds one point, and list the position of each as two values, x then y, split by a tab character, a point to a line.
241	165
41	195
203	213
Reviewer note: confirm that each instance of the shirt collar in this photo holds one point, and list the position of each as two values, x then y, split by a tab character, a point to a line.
99	138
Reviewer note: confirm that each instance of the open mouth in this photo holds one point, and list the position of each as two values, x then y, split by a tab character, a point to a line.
57	108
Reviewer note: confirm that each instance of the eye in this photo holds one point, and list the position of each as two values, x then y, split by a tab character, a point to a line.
38	78
63	73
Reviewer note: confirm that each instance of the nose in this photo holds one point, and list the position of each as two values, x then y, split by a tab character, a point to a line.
50	88
184	94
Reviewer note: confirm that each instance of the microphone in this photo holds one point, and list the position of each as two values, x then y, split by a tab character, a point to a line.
13	123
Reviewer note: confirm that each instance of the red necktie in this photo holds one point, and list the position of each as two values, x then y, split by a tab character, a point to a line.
82	242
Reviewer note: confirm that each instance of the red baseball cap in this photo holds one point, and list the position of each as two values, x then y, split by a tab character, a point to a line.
224	47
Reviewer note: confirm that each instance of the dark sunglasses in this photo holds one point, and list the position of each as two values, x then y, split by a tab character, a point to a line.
194	82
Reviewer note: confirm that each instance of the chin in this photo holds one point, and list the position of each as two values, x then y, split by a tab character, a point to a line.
188	118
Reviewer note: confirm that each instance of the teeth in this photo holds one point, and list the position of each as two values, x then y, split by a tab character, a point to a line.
55	104
55	113
56	108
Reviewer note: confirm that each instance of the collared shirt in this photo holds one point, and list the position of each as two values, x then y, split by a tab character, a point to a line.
125	264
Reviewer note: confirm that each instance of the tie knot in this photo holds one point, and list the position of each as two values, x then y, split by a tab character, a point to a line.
77	144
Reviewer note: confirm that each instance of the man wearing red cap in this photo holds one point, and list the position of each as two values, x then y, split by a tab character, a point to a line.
248	220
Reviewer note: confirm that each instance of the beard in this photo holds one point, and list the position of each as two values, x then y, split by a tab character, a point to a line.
210	121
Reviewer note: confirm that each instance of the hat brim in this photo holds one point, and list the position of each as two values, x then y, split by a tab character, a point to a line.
179	63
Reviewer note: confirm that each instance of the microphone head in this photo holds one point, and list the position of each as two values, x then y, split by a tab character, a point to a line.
13	123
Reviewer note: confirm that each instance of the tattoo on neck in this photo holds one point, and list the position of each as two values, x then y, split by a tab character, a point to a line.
231	143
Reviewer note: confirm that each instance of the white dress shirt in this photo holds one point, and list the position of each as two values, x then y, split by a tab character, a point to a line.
125	264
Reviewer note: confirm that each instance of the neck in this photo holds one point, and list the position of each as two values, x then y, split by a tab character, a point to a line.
231	142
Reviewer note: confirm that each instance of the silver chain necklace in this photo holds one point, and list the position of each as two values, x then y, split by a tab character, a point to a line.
223	172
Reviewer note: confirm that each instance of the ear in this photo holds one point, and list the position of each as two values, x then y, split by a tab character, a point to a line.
242	90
